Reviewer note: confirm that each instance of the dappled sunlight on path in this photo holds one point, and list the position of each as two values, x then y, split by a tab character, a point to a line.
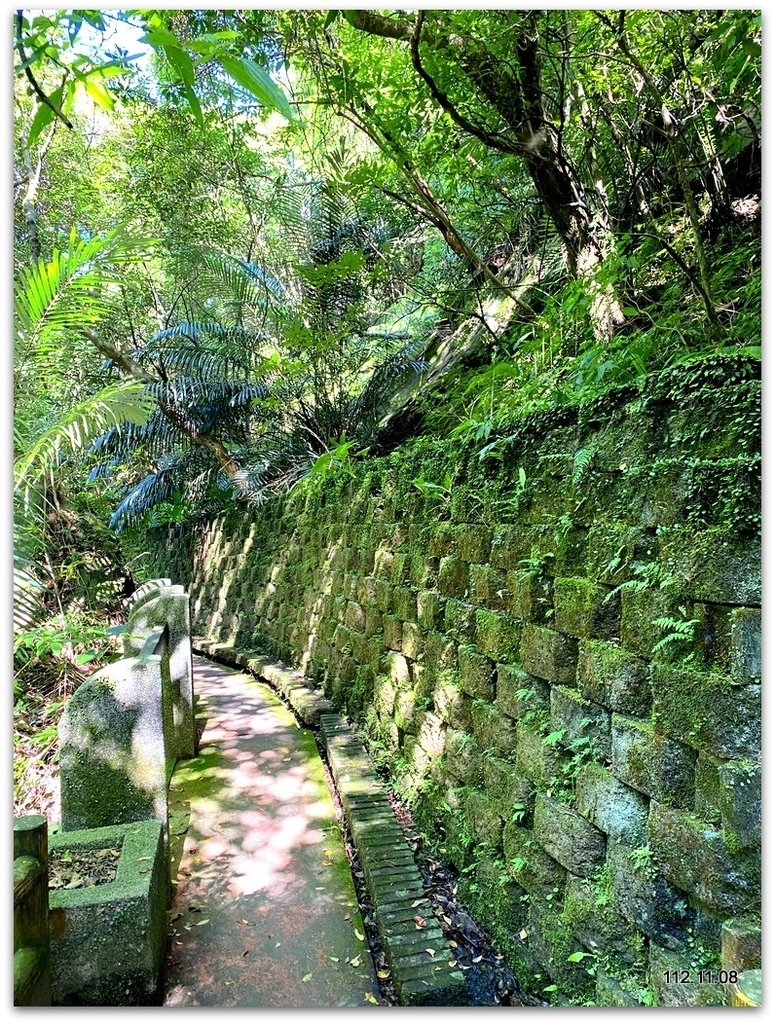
264	912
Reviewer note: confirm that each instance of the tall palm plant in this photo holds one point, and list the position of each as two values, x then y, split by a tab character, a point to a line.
292	363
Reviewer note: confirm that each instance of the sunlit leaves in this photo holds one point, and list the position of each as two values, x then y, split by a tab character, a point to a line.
257	82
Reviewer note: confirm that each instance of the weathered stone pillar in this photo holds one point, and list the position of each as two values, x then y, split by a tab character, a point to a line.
112	746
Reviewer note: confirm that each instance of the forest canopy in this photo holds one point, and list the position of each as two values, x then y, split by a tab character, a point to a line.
251	247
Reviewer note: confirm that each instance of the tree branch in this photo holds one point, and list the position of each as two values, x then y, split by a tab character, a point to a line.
492	139
377	25
31	78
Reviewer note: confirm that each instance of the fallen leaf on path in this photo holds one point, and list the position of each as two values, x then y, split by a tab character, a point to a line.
383	974
419	921
359	935
306	977
334	958
371	998
205	920
432	952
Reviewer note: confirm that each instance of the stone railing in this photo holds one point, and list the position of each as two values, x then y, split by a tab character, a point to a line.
125	727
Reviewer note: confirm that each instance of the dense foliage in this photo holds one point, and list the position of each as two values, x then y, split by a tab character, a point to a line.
252	246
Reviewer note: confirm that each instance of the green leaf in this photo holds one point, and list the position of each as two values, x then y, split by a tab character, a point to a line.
85	657
576	958
256	81
44	116
159	38
99	93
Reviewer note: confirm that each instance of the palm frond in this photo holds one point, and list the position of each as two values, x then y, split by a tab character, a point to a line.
74	291
113	405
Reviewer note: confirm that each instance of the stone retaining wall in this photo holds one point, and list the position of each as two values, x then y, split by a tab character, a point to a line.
557	656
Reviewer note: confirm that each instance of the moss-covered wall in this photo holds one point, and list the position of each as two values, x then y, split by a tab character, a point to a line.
557	658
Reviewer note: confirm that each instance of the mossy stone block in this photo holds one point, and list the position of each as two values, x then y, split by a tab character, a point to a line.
383	591
405	603
460	753
441	538
488	587
548	654
460	620
477	674
614	808
529	595
552	943
519	694
113	750
440	652
354	617
510	545
493	731
640	609
413	641
529	865
598	925
714	565
506	789
745	654
384	696
534	758
614	678
705	710
484	821
741	943
393	630
568	837
610	991
472	543
668	972
372	624
453	704
399	570
579	720
648	900
430	735
654	764
693	856
740	801
423	571
497	635
408	709
453	577
429	609
495	898
707	803
581	608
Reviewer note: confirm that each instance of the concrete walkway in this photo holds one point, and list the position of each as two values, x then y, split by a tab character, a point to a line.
264	911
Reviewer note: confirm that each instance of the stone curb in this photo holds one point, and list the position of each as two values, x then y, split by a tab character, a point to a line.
415	947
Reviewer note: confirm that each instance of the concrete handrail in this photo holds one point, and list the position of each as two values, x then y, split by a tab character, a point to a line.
128	723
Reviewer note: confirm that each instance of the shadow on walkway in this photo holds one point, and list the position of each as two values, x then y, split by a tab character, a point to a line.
264	910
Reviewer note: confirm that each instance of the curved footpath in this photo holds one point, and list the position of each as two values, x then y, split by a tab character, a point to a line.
263	910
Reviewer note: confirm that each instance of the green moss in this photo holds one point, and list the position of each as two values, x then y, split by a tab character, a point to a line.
497	635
